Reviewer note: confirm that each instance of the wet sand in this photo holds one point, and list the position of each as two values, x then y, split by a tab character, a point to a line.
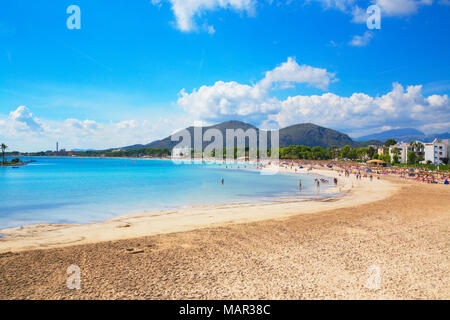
324	252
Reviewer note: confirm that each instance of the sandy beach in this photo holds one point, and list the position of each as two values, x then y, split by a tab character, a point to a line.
286	249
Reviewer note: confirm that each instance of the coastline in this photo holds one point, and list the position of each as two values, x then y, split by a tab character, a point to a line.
43	236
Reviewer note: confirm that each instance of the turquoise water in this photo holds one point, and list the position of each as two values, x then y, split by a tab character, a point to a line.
83	190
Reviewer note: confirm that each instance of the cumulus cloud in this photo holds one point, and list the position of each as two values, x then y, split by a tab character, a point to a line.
186	11
361	41
291	72
398	108
22	131
22	119
86	125
225	100
389	8
401	7
128	124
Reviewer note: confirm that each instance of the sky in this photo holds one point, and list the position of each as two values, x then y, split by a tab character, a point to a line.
136	71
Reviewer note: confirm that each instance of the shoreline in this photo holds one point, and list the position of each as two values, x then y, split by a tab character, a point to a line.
45	236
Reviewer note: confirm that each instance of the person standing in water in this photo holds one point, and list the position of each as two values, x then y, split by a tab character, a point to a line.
300	184
223	181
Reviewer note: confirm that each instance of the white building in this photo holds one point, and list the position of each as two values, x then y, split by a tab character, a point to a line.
437	150
403	149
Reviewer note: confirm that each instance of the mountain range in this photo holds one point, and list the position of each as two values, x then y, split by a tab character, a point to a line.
405	134
307	134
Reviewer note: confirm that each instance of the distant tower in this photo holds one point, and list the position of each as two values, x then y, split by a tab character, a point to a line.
57	147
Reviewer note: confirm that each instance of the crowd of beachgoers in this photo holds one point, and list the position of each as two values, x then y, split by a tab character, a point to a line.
363	170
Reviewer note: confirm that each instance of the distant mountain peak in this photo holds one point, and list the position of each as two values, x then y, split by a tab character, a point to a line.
404	134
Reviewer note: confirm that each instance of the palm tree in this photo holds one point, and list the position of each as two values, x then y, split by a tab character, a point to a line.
417	146
420	146
396	153
4	147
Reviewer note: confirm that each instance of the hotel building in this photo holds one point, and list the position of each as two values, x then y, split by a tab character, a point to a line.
437	151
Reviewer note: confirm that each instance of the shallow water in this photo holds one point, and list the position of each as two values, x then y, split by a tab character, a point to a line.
83	190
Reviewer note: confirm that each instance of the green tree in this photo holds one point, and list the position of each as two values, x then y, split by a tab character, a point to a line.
385	157
371	152
395	159
395	152
412	157
345	151
390	142
4	147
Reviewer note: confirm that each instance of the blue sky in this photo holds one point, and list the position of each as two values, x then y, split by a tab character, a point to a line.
137	70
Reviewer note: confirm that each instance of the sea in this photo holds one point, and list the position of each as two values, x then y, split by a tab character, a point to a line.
84	190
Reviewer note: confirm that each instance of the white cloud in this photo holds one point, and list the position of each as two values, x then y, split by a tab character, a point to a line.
186	11
342	5
389	8
399	107
361	41
21	131
227	99
85	126
22	119
230	99
291	72
359	14
401	7
128	124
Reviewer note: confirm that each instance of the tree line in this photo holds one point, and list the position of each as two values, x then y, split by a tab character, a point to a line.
300	152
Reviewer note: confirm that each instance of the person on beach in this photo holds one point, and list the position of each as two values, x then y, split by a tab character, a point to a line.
300	184
318	184
446	181
335	181
223	181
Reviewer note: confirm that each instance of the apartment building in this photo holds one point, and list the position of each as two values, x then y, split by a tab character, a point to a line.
437	151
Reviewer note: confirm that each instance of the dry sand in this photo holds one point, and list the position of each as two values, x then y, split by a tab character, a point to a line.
285	250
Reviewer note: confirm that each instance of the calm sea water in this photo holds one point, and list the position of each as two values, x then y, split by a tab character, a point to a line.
83	190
